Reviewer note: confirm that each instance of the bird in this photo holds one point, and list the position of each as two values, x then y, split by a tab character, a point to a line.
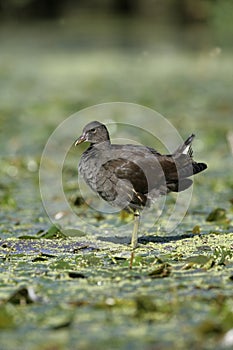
132	176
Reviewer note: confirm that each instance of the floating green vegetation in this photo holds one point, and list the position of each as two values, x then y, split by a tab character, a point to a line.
70	289
218	214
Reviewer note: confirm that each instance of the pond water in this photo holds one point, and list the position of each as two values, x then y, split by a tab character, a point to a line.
181	283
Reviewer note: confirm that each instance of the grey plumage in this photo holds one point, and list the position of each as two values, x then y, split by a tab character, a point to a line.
130	175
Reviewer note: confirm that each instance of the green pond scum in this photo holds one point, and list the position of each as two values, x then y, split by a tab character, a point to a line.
65	288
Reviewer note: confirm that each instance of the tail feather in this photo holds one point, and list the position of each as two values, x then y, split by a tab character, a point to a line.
198	167
190	169
184	159
185	148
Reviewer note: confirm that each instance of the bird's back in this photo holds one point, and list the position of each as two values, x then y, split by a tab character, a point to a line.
129	173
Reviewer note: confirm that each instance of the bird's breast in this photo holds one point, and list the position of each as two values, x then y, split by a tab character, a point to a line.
89	167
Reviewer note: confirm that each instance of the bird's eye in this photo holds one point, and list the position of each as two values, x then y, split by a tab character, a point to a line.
93	131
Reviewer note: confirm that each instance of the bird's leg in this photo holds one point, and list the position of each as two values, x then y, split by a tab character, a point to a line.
134	239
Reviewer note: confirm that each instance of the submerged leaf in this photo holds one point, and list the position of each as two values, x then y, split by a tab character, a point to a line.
53	232
198	259
209	326
65	324
218	214
78	201
162	270
144	304
196	230
74	274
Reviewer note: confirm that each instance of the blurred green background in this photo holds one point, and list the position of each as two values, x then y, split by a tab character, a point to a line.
57	57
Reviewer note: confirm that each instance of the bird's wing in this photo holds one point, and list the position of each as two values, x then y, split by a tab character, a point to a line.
136	171
124	180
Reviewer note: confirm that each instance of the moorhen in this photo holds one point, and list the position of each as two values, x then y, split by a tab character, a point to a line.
130	176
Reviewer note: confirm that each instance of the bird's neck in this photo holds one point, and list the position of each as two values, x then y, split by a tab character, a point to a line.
100	145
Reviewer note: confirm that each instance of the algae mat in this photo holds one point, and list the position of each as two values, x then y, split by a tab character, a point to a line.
75	291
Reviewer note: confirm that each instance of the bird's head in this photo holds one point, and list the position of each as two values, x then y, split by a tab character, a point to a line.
94	132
